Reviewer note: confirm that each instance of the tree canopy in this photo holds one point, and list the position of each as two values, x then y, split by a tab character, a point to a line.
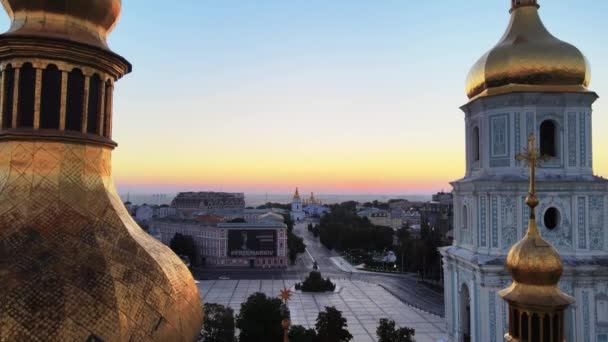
183	245
218	325
343	229
331	326
260	319
298	333
387	332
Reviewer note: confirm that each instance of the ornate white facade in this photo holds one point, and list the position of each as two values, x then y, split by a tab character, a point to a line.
491	215
297	212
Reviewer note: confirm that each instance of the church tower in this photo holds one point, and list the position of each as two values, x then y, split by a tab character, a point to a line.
297	212
530	83
74	266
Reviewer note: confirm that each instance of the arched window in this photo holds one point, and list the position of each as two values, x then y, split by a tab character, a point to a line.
75	100
465	217
94	104
27	88
476	151
9	91
465	313
535	327
50	102
546	328
548	138
524	324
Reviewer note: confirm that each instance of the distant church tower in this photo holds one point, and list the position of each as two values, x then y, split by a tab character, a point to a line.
297	212
74	266
529	83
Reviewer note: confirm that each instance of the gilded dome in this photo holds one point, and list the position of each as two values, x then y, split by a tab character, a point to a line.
534	261
536	268
528	58
83	21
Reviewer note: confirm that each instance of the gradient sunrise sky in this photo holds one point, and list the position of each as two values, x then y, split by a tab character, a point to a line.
339	96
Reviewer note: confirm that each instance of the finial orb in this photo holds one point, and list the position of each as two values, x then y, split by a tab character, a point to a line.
84	21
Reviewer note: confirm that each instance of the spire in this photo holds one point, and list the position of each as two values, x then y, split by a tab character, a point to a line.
534	297
515	4
297	194
532	158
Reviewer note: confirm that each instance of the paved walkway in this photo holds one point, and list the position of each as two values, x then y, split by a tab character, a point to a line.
361	303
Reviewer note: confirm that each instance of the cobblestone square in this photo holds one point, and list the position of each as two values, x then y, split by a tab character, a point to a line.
361	303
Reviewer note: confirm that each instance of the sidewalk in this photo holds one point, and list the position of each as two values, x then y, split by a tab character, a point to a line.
343	264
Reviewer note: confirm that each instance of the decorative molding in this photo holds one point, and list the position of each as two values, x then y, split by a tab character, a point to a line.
494	221
596	222
492	303
586	320
583	140
503	162
525	216
561	236
482	221
508	222
499	135
529	124
582	229
517	131
572	139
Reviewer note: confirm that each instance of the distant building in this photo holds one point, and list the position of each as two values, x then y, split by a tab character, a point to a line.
191	202
443	197
376	216
401	204
262	244
412	218
438	215
297	212
144	213
165	211
313	206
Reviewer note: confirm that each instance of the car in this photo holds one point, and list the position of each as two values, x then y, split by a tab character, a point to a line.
224	278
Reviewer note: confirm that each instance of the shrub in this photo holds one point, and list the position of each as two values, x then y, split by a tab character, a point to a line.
315	283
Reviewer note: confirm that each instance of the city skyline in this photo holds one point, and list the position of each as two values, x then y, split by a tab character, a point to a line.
347	97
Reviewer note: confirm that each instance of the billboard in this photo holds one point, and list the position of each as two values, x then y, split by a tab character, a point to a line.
252	243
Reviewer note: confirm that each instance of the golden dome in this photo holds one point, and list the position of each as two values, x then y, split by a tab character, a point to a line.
528	58
83	21
536	268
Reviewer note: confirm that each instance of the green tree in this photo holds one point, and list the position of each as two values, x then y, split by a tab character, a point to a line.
184	245
218	325
387	332
298	333
331	326
296	245
288	222
260	319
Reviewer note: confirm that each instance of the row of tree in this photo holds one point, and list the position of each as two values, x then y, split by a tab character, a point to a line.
420	254
260	320
343	229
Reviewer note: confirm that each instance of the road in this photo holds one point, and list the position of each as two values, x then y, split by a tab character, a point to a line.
406	287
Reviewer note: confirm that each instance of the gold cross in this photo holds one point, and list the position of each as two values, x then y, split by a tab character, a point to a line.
532	158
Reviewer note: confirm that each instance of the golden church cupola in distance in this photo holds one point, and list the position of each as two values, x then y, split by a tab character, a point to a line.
528	58
74	265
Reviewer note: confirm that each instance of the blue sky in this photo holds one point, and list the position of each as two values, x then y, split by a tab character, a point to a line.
265	95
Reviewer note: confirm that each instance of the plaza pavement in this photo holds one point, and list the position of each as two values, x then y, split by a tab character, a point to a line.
361	303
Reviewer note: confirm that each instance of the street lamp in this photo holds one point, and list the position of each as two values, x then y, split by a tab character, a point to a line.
285	296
